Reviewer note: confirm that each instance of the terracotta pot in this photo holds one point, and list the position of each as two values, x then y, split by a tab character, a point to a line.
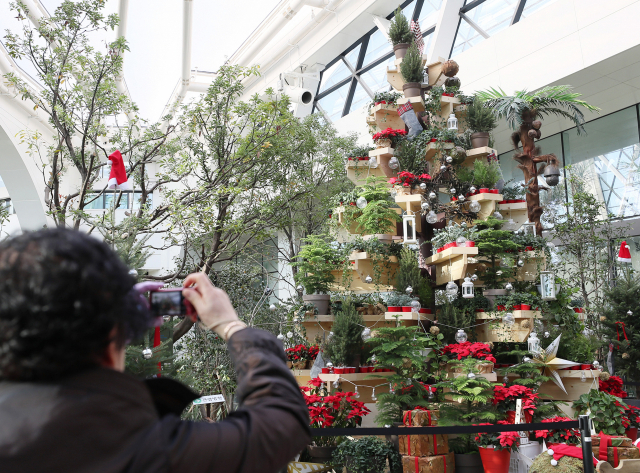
412	89
320	301
468	463
400	50
394	309
406	309
479	139
495	461
525	307
320	454
632	433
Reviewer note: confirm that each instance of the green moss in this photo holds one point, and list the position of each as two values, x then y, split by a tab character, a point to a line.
542	464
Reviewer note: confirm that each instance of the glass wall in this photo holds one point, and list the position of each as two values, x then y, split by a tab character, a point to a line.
351	80
606	159
104	200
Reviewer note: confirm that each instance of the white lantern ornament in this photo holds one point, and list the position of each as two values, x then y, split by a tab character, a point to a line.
547	286
452	123
409	229
533	343
467	289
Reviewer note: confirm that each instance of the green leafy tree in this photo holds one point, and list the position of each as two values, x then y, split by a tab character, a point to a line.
345	345
316	260
402	348
621	327
523	112
480	118
606	411
493	244
411	67
399	31
410	275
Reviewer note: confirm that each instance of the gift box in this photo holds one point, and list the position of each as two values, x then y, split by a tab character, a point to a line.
616	454
423	445
616	441
433	464
421	417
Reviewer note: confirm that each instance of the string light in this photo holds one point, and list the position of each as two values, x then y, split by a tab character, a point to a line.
373	394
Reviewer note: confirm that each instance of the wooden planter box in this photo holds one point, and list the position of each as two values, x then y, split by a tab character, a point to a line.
499	332
317	325
433	150
358	171
516	211
478	153
385	116
362	265
451	264
571	380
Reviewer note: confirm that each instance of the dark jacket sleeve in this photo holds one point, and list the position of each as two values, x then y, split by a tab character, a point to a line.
267	431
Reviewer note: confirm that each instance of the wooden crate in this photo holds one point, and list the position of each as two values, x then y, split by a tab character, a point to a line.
451	264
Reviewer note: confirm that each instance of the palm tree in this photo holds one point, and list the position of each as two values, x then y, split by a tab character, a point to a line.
524	112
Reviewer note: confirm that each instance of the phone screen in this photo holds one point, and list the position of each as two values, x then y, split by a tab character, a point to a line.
167	303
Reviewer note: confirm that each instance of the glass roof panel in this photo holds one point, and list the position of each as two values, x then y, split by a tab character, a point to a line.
333	104
360	98
334	74
466	38
378	47
352	56
429	13
376	77
493	15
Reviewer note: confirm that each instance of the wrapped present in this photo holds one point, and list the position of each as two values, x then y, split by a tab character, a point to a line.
421	417
612	454
616	441
433	464
423	445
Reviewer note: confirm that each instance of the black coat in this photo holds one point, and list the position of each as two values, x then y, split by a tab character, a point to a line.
104	421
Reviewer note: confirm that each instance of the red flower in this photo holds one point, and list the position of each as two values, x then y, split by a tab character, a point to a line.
613	386
479	351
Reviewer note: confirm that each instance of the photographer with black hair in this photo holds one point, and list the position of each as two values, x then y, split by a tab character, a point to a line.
67	309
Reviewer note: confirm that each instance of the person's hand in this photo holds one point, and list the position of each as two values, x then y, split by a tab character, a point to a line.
212	304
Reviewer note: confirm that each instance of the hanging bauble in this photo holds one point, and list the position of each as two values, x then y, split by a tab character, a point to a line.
505	379
461	198
508	319
415	306
299	289
520	263
583	378
368	279
289	334
432	217
509	286
147	353
423	186
472	190
391	390
425	206
452	82
443	167
267	290
336	383
629	313
452	288
547	334
471	375
474	277
449	159
475	207
330	335
373	394
356	394
409	290
394	163
498	273
625	356
596	364
329	365
272	307
452	190
526	359
373	162
450	68
361	202
461	336
432	195
461	241
133	272
366	333
280	336
497	215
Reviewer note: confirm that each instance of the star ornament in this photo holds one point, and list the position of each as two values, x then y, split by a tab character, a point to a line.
550	364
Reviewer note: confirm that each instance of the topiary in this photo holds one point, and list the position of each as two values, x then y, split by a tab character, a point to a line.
411	67
399	31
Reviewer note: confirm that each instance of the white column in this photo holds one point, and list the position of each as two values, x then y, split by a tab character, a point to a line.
446	27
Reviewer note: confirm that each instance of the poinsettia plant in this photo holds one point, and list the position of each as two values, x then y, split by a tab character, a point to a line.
505	398
499	440
312	352
389	134
568	436
477	350
632	416
297	353
613	386
340	409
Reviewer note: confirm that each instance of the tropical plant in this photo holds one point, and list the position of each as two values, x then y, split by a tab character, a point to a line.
485	175
480	118
345	345
401	348
399	31
607	411
411	67
368	454
523	112
316	259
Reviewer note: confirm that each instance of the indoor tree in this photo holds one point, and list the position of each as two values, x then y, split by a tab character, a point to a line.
524	112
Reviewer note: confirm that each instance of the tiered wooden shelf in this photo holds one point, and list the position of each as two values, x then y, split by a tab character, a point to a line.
435	72
487	202
571	379
358	171
361	267
416	102
531	260
385	116
516	211
451	264
394	76
408	316
433	150
317	325
499	332
478	153
382	153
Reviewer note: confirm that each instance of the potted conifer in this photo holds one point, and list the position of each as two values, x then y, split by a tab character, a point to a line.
316	259
400	34
411	69
481	120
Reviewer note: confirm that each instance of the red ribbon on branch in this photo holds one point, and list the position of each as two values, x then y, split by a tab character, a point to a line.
623	331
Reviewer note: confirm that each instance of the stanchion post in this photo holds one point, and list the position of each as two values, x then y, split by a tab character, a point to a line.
584	423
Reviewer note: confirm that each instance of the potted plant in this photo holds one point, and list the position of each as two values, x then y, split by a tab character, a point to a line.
485	175
366	455
360	153
632	414
387	138
495	449
560	436
457	352
344	348
339	410
377	218
607	411
315	261
397	301
512	193
481	121
493	244
411	69
505	398
297	356
385	98
400	34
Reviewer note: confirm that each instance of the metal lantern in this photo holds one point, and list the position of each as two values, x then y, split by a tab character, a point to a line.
394	163
409	229
529	229
467	289
533	343
547	286
551	174
452	123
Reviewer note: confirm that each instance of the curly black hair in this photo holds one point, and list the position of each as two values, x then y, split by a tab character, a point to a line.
62	293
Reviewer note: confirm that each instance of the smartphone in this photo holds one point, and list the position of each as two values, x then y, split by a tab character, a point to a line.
171	302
